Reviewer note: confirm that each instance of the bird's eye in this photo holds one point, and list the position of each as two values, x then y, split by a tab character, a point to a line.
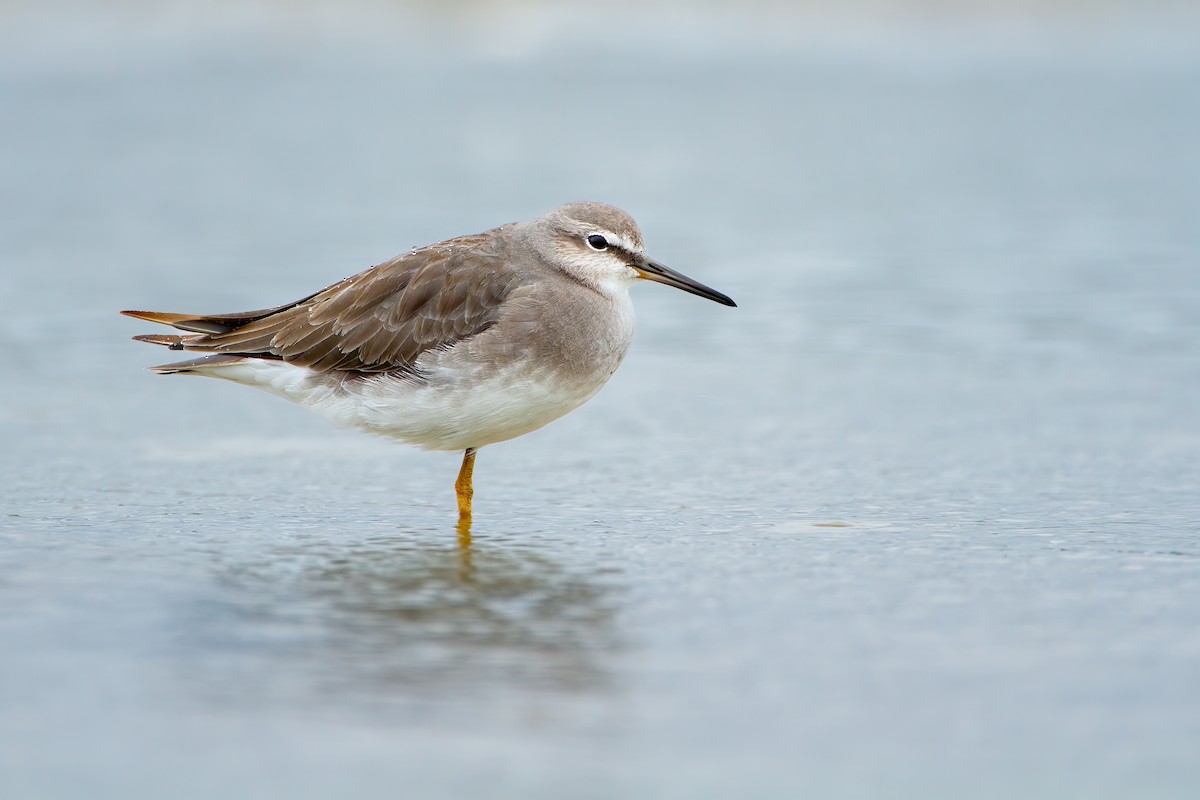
597	242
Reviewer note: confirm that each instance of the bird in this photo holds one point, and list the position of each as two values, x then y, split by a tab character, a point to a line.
453	346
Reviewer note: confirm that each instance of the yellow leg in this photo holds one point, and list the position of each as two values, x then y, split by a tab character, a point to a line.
462	487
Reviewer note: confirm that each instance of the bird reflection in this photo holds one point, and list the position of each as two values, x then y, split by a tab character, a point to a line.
464	537
400	615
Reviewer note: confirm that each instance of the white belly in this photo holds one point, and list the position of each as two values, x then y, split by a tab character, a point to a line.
458	412
463	401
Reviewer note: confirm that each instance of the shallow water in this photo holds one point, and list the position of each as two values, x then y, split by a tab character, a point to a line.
919	518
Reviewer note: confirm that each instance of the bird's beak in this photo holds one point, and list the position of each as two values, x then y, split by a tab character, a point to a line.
653	271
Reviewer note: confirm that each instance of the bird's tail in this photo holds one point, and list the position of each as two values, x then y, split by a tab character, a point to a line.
198	365
200	327
205	323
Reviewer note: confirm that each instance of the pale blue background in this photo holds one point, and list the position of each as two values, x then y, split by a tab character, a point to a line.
919	519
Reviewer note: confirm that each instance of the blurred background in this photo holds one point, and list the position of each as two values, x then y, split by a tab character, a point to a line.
918	519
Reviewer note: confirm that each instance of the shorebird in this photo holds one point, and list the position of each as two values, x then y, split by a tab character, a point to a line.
452	346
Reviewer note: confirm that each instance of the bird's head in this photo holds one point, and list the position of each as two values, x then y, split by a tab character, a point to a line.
603	246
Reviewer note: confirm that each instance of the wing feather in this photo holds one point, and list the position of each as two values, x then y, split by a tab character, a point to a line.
379	320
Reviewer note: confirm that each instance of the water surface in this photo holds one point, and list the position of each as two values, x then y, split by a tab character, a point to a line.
919	518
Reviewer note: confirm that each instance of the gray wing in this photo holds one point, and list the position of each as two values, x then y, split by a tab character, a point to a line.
380	320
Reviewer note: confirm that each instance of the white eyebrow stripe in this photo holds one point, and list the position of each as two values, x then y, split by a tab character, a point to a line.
622	242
